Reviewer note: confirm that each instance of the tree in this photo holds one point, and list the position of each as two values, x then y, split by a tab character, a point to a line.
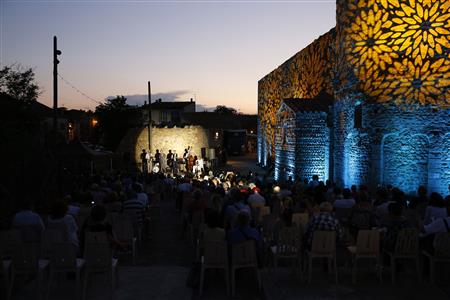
19	83
222	109
113	120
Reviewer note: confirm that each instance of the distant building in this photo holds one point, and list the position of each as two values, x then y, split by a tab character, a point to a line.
168	113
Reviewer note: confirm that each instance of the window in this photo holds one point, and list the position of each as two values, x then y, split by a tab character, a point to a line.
358	116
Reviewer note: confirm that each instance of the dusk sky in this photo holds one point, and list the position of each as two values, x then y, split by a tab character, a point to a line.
213	51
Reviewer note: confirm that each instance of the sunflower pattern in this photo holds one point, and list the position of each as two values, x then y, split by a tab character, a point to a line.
305	75
399	50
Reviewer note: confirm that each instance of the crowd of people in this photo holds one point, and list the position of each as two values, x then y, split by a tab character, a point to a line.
227	201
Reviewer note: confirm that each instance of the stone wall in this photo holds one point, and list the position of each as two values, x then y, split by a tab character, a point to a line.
176	139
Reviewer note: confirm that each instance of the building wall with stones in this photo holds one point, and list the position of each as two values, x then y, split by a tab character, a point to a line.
174	138
388	62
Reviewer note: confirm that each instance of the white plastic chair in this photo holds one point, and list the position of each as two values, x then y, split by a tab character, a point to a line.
323	246
367	246
441	253
98	259
243	256
215	257
63	259
123	229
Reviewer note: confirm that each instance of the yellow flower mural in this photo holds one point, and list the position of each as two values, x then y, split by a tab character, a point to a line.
395	46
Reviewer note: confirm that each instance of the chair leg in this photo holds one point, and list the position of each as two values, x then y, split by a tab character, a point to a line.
258	277
335	270
233	282
227	280
11	285
354	270
309	270
419	269
432	271
86	275
202	278
393	271
49	287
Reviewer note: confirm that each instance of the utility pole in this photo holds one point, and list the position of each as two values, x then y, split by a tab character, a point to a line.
149	116
56	52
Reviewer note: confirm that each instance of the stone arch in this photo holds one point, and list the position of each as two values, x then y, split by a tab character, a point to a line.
404	160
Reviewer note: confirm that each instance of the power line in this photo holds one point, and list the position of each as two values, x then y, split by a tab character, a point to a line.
78	90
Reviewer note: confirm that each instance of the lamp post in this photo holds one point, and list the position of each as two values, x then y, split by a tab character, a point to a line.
56	52
149	116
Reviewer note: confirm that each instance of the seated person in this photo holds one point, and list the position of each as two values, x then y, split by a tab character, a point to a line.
325	221
393	224
59	216
346	202
27	218
213	232
243	232
436	208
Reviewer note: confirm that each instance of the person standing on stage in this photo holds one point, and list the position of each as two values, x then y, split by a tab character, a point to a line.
157	158
144	162
170	159
186	158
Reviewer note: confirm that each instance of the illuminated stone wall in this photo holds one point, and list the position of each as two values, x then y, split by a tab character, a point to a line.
177	138
304	75
392	57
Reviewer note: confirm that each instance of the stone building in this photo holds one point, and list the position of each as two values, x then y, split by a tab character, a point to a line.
386	65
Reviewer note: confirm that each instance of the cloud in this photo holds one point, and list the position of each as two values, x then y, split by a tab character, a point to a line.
181	95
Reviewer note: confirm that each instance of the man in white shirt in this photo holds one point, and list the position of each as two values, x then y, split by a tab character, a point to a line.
437	226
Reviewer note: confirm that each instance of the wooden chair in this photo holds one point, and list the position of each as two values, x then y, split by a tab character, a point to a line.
255	211
98	259
288	246
215	256
124	232
367	246
441	253
406	247
243	256
262	211
323	246
63	259
25	260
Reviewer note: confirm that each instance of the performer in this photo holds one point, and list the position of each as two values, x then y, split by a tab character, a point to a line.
163	162
190	163
144	162
170	159
157	159
186	159
175	162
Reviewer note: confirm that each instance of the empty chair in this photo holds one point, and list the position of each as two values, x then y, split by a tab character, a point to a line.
215	256
441	252
287	246
25	260
63	259
367	246
323	246
406	247
243	256
98	259
123	229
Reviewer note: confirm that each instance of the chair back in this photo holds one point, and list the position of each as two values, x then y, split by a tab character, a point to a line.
442	245
30	234
98	256
407	242
288	241
25	259
324	243
215	253
255	207
268	225
262	211
300	219
123	229
342	213
49	237
95	237
244	254
9	240
63	256
368	242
